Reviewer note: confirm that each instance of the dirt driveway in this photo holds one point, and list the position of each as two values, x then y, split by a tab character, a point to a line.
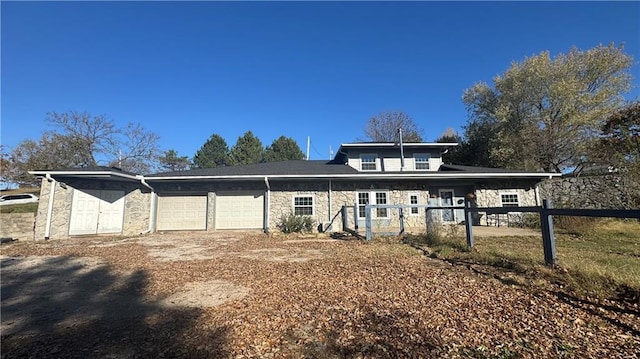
245	295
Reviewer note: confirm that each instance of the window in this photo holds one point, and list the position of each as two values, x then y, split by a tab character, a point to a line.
381	198
363	199
509	200
303	205
368	162
413	199
421	161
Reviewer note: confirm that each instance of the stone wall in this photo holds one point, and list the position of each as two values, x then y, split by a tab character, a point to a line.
602	192
17	225
136	206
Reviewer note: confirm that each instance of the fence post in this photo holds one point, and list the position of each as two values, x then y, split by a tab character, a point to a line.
344	218
355	217
402	221
468	222
548	237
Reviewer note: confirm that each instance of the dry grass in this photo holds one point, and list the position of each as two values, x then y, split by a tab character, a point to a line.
601	260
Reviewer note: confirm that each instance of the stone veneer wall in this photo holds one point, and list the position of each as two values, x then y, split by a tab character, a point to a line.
600	192
488	195
136	206
17	225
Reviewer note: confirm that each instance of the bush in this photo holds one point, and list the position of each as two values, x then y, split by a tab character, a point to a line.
528	220
296	224
576	225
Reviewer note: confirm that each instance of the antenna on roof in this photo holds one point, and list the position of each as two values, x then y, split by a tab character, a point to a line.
308	143
330	152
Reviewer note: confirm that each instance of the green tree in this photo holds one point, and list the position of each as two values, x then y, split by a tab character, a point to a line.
619	146
453	155
283	149
543	113
170	161
214	153
247	150
384	128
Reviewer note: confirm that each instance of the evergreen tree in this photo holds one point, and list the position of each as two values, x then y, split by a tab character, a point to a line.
213	153
283	149
247	150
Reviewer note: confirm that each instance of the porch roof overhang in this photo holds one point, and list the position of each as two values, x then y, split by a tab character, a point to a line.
94	173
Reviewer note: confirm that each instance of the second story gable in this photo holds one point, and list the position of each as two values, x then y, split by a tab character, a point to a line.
390	157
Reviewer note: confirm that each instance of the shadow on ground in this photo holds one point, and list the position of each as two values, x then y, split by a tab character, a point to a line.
64	307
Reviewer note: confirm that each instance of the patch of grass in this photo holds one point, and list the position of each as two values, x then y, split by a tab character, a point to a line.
32	190
605	263
20	208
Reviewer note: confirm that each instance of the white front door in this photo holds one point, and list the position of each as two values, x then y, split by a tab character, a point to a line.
96	212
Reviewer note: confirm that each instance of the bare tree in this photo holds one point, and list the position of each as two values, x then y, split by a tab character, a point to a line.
78	140
384	128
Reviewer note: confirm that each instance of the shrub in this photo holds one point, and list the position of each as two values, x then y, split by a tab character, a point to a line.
291	223
576	225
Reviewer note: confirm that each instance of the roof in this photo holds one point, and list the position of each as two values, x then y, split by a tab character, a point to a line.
98	172
297	169
396	144
473	169
294	167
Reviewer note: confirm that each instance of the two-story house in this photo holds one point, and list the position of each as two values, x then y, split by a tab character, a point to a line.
97	200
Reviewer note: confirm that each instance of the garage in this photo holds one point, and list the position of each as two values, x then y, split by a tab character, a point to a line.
96	212
239	210
180	213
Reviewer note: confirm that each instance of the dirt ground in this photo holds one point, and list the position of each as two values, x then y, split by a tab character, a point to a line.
247	295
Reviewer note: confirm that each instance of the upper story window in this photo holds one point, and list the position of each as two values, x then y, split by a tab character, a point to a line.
368	162
509	200
421	161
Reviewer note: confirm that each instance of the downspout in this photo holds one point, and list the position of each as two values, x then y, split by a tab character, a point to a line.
52	192
330	212
267	205
537	193
152	206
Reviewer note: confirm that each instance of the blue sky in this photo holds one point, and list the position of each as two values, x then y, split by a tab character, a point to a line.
318	69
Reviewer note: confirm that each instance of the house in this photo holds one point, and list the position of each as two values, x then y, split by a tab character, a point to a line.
103	200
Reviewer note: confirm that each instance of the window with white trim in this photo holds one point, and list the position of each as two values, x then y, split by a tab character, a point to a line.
380	197
413	199
303	205
509	200
368	162
421	161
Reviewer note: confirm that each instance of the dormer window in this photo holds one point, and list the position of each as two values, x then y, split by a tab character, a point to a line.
421	161
368	162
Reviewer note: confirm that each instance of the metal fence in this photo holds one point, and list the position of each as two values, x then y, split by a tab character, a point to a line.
546	212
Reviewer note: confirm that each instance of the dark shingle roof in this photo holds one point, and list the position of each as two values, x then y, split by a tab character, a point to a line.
297	167
473	169
90	169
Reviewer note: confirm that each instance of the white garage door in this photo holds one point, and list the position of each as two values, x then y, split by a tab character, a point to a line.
239	210
96	212
177	213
